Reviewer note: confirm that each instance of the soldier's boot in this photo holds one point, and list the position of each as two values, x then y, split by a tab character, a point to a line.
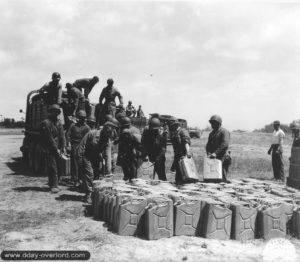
54	184
88	198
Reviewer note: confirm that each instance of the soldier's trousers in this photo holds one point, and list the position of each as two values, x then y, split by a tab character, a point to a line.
160	169
53	170
129	168
87	174
74	164
278	166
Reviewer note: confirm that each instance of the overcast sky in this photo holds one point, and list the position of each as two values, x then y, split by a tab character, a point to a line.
187	59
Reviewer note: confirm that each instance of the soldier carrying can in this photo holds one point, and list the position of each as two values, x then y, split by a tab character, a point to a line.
53	142
109	93
74	135
154	142
75	97
218	143
93	144
52	91
181	142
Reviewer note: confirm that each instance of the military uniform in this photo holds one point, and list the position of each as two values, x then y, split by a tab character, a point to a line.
130	152
88	154
52	93
86	84
75	134
109	94
130	111
53	140
140	113
218	143
179	138
154	146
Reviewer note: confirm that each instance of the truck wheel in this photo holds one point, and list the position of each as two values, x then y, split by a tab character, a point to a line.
37	158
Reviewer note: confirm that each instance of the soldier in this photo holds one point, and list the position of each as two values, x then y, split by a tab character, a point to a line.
181	142
53	142
130	150
140	112
130	110
218	143
75	98
154	143
277	149
52	91
87	84
109	93
74	135
93	144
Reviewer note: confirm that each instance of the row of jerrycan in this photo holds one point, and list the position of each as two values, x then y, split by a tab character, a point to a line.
154	216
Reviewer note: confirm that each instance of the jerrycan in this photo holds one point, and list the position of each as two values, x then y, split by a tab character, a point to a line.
119	199
100	203
129	216
289	207
296	222
187	217
271	221
243	220
159	218
217	220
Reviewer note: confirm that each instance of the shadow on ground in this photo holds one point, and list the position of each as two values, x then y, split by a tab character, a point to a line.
31	188
66	197
18	167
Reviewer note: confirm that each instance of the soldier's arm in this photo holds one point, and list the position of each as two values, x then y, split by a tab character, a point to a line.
120	97
102	95
68	136
59	94
221	150
82	145
185	138
62	138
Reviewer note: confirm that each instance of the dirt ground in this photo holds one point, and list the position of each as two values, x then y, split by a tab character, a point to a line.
31	218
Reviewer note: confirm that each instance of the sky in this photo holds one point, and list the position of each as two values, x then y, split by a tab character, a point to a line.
190	59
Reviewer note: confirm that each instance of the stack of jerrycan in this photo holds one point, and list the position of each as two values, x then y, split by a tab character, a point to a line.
294	173
243	210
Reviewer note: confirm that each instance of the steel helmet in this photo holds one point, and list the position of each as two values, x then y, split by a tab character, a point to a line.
56	75
109	123
96	79
216	118
119	116
129	102
81	113
54	107
110	81
125	121
108	117
91	119
154	123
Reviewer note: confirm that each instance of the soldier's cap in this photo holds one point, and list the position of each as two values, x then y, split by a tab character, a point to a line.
54	107
56	75
276	122
216	118
81	113
108	123
110	81
96	78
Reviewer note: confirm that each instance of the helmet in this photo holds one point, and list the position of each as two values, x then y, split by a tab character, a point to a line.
216	118
54	107
56	75
109	123
125	121
174	122
129	102
276	122
119	116
96	79
91	119
69	85
110	81
109	117
154	123
81	113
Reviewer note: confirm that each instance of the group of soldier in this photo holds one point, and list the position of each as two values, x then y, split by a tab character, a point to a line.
93	146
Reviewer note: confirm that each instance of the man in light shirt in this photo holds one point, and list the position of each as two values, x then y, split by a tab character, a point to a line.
276	149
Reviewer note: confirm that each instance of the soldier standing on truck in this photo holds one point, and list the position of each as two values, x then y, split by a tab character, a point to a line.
130	110
75	98
93	144
218	143
52	91
140	112
74	135
154	143
181	142
276	149
109	93
53	142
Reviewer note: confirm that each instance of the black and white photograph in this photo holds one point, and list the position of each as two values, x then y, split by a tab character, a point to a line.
153	131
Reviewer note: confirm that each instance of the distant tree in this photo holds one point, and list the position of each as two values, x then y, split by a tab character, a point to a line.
269	128
12	123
